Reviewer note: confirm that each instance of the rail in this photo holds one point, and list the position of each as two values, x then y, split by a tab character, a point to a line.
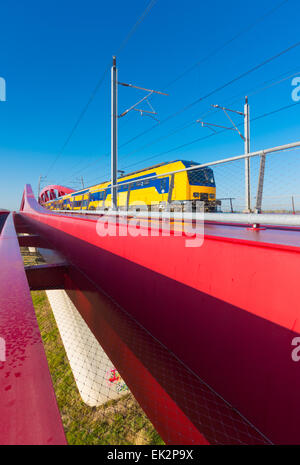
248	218
242	218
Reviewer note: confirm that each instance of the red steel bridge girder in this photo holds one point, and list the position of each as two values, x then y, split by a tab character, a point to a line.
227	310
49	192
28	408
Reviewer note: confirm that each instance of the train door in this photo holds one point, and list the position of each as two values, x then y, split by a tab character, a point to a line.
164	189
171	188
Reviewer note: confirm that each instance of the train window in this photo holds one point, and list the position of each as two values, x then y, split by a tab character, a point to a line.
201	177
96	196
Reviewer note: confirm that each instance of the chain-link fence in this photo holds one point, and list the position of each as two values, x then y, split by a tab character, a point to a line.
220	187
96	405
278	181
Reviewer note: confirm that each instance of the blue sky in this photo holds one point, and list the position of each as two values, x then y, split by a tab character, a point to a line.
54	53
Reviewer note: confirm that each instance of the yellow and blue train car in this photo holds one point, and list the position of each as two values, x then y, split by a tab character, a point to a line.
181	188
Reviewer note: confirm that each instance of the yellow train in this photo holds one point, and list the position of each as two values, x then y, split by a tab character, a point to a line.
178	189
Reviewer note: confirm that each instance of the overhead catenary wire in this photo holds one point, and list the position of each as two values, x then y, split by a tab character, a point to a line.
264	115
191	123
199	139
212	135
136	25
235	37
214	91
211	111
100	82
228	42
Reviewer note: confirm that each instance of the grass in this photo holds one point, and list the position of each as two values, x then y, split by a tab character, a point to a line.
116	422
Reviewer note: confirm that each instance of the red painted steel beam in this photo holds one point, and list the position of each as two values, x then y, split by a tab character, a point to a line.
227	310
22	227
32	240
28	408
48	192
183	409
43	277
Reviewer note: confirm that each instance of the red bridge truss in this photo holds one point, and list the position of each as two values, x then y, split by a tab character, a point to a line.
52	192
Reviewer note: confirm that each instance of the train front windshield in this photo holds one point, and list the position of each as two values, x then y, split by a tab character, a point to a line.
201	177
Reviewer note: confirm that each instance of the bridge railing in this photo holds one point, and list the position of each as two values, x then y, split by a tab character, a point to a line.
274	189
28	408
